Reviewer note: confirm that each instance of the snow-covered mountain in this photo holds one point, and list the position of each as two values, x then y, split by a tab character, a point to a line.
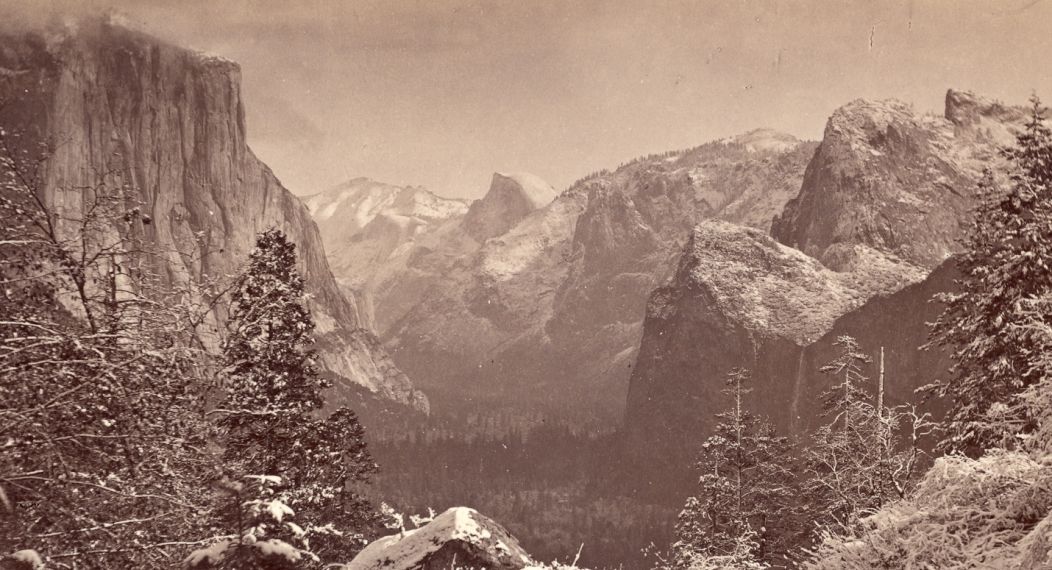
371	227
534	301
883	204
347	209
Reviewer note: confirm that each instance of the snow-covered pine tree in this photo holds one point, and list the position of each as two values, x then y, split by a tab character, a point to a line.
270	415
842	455
865	456
744	489
262	530
987	325
841	400
1038	396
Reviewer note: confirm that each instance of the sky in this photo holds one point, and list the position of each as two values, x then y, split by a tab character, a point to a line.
443	93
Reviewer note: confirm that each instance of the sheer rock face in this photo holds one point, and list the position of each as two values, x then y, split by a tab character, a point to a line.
739	299
898	182
169	126
511	197
883	202
546	316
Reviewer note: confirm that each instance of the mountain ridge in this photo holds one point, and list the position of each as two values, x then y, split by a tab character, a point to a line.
570	277
886	190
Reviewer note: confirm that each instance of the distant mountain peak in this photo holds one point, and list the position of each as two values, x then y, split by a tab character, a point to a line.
355	203
511	197
765	139
538	192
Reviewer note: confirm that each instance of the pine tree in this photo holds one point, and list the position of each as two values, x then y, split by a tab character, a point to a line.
867	454
264	535
744	488
842	456
1037	398
842	399
988	324
270	415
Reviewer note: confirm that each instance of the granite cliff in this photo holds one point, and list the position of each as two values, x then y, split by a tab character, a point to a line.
538	306
740	298
166	126
896	181
882	205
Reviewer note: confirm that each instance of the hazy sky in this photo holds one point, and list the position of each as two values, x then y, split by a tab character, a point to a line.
442	93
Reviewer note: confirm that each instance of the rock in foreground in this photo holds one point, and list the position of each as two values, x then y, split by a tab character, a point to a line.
458	538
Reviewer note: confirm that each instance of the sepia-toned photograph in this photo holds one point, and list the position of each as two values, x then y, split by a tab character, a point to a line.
525	284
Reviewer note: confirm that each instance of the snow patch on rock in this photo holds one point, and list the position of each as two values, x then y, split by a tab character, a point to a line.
460	530
536	191
774	289
759	140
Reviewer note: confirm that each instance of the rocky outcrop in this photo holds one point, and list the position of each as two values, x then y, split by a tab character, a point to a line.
743	300
547	316
738	298
896	181
983	118
457	538
883	204
511	197
166	127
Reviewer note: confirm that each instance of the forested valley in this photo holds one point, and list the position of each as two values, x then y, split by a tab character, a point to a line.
784	353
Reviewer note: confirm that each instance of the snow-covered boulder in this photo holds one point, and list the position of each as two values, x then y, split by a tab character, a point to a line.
458	538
